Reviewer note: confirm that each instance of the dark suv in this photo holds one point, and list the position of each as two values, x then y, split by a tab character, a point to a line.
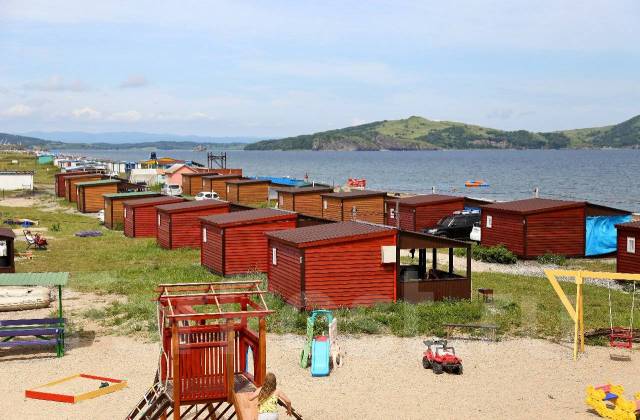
457	226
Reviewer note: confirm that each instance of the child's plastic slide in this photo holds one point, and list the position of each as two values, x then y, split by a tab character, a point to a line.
320	356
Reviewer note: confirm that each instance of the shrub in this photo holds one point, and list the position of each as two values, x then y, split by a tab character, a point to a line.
55	227
495	254
549	258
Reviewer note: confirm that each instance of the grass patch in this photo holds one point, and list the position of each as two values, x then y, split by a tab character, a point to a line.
114	264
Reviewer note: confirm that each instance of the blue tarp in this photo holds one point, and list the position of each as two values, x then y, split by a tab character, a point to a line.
290	182
602	235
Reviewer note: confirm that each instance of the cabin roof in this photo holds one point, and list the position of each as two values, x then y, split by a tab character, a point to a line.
427	199
630	225
303	190
141	202
331	232
98	182
248	216
191	205
7	233
355	194
132	194
222	176
541	205
248	181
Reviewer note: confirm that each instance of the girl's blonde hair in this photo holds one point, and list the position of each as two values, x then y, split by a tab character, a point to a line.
268	388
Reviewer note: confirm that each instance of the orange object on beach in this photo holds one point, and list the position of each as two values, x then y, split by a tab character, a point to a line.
357	182
476	183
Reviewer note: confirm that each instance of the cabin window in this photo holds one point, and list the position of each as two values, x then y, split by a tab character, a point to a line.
158	220
204	235
280	201
3	248
392	213
274	256
324	204
489	222
125	212
228	189
631	245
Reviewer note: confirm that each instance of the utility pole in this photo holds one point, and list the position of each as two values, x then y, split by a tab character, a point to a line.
220	160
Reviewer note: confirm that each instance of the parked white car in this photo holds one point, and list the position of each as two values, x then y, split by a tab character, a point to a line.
476	233
172	189
207	195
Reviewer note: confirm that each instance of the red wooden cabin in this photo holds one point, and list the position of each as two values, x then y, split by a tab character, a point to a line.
360	205
59	181
114	207
211	359
533	227
235	243
90	194
70	190
218	183
179	223
424	211
333	265
192	182
306	200
628	256
247	191
141	216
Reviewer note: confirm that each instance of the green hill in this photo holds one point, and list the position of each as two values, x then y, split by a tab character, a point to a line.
417	133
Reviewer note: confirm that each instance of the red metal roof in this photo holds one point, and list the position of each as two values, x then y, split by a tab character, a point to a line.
534	205
427	199
303	190
355	194
248	216
630	225
330	233
152	201
191	206
248	181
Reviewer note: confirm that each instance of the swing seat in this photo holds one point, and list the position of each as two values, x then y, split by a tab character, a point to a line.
621	337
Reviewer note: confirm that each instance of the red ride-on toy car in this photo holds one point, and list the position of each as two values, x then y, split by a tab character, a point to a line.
441	358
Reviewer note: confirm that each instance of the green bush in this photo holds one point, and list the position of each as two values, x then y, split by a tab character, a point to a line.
495	254
549	258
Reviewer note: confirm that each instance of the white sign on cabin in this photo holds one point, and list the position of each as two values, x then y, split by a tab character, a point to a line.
16	180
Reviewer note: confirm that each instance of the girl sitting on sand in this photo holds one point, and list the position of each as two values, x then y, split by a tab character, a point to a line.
267	396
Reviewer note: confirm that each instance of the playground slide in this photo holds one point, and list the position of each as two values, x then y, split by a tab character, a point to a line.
320	356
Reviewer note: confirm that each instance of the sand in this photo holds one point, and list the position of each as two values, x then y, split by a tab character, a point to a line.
382	378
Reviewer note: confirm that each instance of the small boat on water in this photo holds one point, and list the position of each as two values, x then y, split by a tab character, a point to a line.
476	183
23	298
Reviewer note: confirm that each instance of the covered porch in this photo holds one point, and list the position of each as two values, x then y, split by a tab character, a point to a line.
421	279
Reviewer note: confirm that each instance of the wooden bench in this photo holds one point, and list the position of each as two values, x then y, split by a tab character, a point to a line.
491	327
47	332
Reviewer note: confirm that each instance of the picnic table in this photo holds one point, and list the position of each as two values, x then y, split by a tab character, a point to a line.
45	331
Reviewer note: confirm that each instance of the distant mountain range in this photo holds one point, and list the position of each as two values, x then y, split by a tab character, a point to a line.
417	133
413	133
122	140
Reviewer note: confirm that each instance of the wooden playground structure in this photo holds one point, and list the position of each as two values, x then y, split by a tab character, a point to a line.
620	337
211	359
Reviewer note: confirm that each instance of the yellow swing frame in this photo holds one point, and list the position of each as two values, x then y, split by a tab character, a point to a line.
577	313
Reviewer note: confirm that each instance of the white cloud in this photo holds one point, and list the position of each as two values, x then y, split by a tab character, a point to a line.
134	81
86	113
125	116
17	111
56	84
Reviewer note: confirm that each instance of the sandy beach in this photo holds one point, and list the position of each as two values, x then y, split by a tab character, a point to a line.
382	378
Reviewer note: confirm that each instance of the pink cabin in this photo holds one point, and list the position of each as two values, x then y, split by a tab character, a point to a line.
173	175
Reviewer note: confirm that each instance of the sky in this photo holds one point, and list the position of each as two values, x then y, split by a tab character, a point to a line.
279	68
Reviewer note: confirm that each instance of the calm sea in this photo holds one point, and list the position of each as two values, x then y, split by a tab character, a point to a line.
607	177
